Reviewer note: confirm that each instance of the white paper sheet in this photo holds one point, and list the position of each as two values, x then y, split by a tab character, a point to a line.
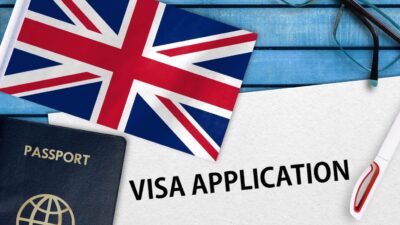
273	128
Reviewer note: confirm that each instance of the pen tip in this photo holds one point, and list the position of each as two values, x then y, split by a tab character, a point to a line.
374	83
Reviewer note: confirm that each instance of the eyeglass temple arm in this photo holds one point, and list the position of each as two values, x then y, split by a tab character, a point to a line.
375	36
361	11
375	58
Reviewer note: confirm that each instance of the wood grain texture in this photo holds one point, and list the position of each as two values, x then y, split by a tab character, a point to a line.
306	67
285	27
37	119
15	106
244	2
297	27
7	2
264	2
5	14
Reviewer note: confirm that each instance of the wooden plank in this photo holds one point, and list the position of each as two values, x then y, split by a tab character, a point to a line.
38	119
296	27
253	89
7	2
285	27
292	67
16	106
5	14
263	2
243	2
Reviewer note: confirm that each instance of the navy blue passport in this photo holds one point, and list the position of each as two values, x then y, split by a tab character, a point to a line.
51	175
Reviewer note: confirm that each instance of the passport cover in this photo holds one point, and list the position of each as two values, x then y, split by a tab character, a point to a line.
51	175
126	63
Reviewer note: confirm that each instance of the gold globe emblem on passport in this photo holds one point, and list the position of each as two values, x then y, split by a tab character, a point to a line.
45	209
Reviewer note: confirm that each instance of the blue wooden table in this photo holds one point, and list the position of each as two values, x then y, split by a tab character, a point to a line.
295	45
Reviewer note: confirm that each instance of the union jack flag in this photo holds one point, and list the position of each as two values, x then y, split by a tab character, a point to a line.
139	66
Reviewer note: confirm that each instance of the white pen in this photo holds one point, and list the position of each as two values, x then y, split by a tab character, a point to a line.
369	180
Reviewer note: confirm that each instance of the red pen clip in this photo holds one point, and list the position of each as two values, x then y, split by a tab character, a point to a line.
365	187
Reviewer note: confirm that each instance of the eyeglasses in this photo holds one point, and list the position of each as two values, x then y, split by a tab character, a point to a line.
371	17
